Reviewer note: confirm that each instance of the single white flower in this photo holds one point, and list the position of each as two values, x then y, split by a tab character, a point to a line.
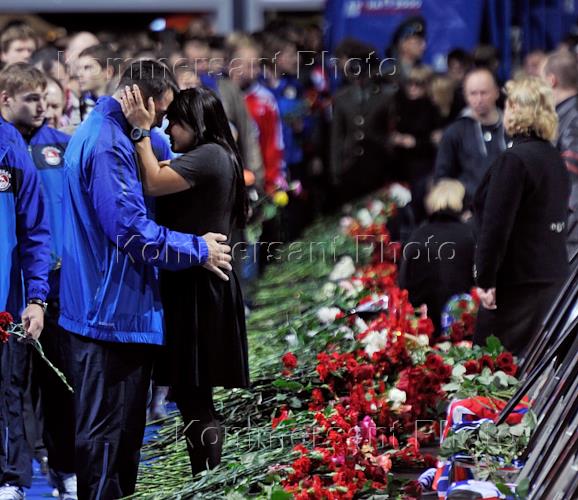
346	332
345	222
376	207
364	217
394	395
343	270
327	315
360	325
400	194
422	340
291	339
396	398
375	341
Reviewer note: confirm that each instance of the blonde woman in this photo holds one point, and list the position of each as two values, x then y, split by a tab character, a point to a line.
439	257
521	209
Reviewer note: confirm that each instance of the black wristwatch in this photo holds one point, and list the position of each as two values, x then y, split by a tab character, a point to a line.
138	134
38	302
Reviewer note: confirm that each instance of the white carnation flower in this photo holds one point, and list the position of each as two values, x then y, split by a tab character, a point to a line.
396	398
364	217
343	270
375	341
422	340
400	194
376	207
327	315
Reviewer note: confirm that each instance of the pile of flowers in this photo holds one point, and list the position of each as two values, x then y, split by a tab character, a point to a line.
376	403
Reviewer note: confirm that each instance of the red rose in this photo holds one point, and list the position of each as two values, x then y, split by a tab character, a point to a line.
289	361
504	359
434	361
4	335
486	360
457	333
471	367
444	372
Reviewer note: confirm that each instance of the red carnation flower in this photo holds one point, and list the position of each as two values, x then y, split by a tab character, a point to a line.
289	361
284	415
5	319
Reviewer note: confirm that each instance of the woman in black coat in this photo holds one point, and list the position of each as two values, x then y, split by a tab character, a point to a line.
521	209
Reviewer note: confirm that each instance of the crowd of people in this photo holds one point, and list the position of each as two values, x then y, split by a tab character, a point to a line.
129	166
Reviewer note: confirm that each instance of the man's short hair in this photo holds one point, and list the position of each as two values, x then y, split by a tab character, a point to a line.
481	69
21	77
152	77
45	58
17	32
461	56
563	66
101	53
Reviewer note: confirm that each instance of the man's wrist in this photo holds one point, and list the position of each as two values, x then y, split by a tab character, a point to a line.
38	302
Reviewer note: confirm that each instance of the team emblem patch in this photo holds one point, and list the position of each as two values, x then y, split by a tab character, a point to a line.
51	155
5	180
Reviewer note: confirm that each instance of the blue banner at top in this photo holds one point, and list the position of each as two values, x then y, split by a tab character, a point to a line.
450	23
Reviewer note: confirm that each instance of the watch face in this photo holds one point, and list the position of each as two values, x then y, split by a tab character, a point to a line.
136	134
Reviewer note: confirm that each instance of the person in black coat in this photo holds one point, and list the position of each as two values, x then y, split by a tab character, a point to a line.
521	208
417	118
438	259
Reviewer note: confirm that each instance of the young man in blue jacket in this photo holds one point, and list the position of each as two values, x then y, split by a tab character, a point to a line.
109	293
25	258
23	104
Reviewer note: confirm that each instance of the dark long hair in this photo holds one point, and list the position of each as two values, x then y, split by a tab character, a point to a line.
202	110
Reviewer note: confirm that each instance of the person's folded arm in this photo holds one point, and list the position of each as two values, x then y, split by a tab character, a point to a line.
158	179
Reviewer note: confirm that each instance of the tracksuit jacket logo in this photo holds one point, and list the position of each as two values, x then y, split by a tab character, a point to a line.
5	179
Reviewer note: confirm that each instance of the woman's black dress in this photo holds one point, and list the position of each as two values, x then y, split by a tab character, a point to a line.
204	315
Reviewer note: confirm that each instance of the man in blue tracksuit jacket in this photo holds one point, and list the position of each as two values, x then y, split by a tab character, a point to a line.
23	104
25	261
109	294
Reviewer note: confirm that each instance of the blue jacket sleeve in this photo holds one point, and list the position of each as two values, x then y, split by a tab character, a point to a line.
118	201
32	228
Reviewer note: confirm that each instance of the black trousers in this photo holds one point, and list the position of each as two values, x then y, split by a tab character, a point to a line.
56	401
203	431
15	452
111	382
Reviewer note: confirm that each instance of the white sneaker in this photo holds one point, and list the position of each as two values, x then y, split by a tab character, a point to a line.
68	491
65	484
8	492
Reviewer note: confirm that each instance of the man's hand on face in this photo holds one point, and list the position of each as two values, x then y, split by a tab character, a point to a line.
219	255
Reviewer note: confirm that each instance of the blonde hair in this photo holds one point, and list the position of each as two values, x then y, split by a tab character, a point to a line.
447	194
532	109
442	90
